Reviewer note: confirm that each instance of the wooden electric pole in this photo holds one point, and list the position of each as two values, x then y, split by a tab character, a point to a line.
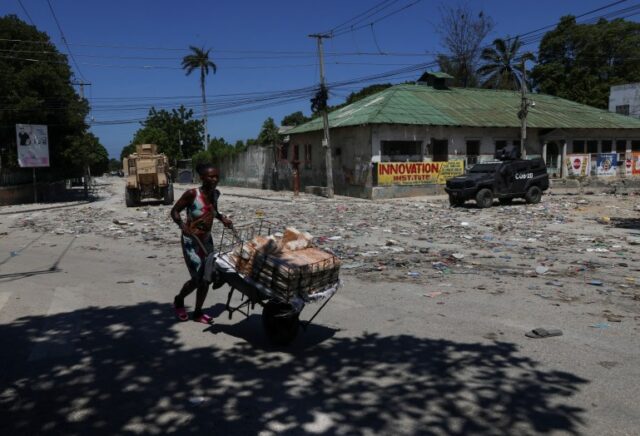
524	108
325	117
87	171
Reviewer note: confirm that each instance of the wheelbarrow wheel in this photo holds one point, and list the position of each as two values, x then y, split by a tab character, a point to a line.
281	330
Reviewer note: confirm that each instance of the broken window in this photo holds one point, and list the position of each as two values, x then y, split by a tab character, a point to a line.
622	109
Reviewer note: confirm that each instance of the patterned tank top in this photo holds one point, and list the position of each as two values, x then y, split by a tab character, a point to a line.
200	213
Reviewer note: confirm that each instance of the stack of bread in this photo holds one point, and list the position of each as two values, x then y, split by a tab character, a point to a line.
287	265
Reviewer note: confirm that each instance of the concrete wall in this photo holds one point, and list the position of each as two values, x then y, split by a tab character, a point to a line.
251	169
23	194
628	94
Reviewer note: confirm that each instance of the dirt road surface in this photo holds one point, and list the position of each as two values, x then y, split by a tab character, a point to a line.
427	335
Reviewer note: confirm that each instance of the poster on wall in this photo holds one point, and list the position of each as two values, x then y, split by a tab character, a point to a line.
33	145
606	164
578	165
633	164
418	173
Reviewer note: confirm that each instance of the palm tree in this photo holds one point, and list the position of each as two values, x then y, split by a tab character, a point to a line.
199	59
502	63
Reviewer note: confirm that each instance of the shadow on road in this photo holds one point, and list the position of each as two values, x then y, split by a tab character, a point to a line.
120	370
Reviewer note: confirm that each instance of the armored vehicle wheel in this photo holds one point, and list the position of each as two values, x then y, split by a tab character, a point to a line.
505	201
453	201
130	197
281	330
167	197
484	198
533	195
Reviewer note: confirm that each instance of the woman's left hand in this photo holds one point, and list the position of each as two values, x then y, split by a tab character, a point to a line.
227	222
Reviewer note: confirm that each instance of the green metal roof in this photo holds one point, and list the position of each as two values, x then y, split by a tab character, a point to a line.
471	107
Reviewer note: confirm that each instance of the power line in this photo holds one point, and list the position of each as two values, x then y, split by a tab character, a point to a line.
377	20
64	40
26	13
369	12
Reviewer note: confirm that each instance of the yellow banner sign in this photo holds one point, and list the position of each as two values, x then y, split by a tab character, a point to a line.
418	173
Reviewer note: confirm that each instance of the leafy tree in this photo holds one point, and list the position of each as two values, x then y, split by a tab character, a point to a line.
115	165
88	156
269	133
294	119
36	89
502	63
219	148
201	157
240	146
167	129
199	60
580	62
462	32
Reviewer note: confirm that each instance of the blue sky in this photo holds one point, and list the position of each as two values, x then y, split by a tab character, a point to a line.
130	51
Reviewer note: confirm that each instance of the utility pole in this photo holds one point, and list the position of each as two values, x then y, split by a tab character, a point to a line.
82	84
325	117
524	108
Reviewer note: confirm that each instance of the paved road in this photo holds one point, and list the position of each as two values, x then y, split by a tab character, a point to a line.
89	344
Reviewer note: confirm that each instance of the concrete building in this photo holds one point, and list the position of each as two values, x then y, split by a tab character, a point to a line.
428	122
625	99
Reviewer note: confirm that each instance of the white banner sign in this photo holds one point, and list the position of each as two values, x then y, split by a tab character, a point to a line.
578	165
33	145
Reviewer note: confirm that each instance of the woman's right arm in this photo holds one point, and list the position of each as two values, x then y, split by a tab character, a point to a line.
182	203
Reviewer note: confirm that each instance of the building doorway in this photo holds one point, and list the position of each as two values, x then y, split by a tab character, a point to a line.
553	159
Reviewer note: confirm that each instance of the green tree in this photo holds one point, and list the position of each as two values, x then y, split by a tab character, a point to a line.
269	133
501	67
167	129
269	136
198	59
462	32
115	165
219	148
87	156
294	119
580	62
201	157
35	85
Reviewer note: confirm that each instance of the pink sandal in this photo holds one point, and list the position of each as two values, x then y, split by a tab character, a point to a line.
181	313
204	319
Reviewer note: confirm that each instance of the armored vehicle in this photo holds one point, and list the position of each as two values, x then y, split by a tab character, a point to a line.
504	179
148	175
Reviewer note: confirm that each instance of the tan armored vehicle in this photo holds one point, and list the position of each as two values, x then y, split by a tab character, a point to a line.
147	174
